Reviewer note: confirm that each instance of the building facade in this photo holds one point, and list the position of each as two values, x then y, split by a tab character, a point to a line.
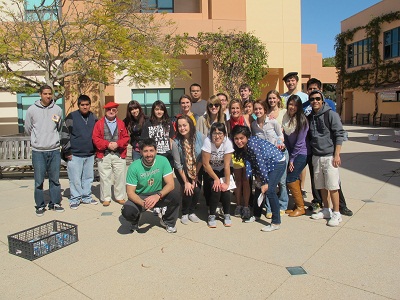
371	94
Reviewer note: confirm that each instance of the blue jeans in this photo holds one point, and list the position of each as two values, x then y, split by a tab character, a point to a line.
135	155
47	162
299	164
80	175
283	193
274	178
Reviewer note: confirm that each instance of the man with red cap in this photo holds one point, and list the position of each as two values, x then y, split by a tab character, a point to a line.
111	138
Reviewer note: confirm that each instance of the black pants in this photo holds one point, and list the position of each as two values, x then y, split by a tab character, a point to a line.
316	193
131	211
215	197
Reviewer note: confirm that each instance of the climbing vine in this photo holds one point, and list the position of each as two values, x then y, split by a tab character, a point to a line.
378	72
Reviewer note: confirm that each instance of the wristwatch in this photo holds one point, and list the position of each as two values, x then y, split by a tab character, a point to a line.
159	194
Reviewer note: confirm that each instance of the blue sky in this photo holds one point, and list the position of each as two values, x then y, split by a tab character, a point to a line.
321	21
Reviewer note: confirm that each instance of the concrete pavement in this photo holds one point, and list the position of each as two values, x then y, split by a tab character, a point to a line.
357	260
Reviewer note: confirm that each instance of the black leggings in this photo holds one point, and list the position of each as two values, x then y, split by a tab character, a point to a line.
215	197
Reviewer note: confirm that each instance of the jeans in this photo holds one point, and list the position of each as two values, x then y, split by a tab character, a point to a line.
80	175
299	164
274	177
283	193
47	162
135	155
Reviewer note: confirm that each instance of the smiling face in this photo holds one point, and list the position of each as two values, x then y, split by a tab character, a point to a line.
292	108
259	110
236	111
245	93
148	155
217	137
248	109
111	113
291	83
224	102
273	100
46	96
183	127
158	112
135	112
214	108
185	104
240	140
316	102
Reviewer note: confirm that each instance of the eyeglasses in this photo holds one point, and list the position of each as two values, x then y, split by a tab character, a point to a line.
315	99
217	134
112	109
215	105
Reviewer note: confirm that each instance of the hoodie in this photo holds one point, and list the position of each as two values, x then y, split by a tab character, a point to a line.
43	124
323	139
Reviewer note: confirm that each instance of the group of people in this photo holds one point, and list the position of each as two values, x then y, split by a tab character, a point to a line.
213	146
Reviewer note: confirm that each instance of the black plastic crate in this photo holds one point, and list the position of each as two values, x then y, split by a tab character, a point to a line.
43	239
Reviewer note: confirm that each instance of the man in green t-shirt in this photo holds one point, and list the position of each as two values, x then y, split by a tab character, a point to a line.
149	184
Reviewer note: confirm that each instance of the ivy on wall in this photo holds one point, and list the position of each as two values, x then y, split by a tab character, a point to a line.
377	73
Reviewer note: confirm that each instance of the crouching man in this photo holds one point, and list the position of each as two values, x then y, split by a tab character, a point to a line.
149	184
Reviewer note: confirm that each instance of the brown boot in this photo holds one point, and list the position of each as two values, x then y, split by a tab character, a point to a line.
295	188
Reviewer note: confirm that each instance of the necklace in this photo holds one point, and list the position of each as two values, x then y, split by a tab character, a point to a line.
85	120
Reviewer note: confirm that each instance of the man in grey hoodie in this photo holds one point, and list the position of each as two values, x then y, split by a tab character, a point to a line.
327	135
43	124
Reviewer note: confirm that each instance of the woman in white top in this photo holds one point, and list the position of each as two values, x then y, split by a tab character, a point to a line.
275	109
216	157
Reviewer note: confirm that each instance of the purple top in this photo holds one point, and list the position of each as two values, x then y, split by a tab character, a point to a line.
297	143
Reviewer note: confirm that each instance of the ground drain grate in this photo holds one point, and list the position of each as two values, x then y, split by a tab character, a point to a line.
296	270
368	201
107	213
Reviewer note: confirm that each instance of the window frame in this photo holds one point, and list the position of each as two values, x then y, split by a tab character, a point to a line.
359	53
388	46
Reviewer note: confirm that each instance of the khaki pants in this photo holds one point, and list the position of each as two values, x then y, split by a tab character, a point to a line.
110	165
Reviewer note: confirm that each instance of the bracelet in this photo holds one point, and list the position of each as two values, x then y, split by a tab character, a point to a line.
159	194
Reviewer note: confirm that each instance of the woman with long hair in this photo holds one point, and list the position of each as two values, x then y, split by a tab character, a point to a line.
270	129
213	114
186	109
159	127
224	104
216	157
265	162
295	128
275	109
134	121
242	192
186	150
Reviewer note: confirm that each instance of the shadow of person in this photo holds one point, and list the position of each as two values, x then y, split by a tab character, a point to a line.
146	217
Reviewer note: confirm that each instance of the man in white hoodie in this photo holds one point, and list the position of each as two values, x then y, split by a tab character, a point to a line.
43	124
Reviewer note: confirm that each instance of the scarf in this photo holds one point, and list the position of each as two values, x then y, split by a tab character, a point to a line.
289	124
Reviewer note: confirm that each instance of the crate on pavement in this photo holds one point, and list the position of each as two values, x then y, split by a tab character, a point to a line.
43	239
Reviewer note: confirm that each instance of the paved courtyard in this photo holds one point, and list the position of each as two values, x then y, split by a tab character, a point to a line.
357	260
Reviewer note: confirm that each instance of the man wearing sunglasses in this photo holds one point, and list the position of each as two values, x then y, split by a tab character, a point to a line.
111	138
326	143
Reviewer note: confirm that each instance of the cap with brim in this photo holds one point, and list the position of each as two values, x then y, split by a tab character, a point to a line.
111	105
288	75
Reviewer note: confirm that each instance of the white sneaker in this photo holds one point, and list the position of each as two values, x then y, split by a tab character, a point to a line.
335	219
185	219
325	213
194	218
270	228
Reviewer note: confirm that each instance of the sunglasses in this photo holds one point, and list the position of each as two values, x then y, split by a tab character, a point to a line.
315	99
215	105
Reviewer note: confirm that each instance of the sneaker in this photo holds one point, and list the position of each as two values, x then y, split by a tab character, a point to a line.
304	193
212	223
315	206
185	219
40	211
346	212
227	220
193	218
134	227
57	208
282	213
169	229
74	205
268	215
335	219
93	202
238	211
246	213
270	227
324	213
156	211
251	219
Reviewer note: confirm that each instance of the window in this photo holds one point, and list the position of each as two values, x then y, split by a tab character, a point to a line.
157	5
358	53
43	9
391	43
170	97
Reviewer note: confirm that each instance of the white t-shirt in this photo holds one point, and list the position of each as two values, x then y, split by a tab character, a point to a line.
217	154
